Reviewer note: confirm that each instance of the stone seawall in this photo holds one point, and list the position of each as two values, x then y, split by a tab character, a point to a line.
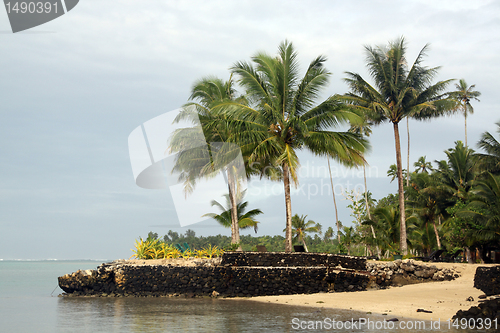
247	274
127	280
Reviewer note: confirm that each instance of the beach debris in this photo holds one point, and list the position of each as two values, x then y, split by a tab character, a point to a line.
393	319
425	311
215	294
482	296
470	299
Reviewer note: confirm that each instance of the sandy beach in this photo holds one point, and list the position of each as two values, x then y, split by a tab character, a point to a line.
444	299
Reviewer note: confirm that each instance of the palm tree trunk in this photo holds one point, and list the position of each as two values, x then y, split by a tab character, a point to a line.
402	228
235	229
465	116
288	209
305	246
437	233
379	254
469	255
408	155
335	202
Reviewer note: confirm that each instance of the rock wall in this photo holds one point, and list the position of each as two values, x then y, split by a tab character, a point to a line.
489	309
128	280
400	272
248	274
487	279
296	259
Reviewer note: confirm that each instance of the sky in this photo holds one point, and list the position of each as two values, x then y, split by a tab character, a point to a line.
74	89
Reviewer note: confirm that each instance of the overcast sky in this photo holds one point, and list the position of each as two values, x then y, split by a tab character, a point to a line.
72	91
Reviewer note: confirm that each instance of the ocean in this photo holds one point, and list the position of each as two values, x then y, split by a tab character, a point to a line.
29	302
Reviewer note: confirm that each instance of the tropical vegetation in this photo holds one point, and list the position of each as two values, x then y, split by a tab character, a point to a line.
451	204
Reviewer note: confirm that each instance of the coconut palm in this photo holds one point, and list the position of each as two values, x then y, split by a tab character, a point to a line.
421	165
462	96
300	227
458	173
245	220
285	118
400	91
203	151
491	160
427	201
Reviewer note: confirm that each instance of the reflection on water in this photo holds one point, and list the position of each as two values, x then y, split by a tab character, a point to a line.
132	314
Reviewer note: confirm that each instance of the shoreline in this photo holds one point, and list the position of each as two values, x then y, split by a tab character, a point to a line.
443	298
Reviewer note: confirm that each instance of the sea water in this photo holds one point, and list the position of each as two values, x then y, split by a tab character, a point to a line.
29	302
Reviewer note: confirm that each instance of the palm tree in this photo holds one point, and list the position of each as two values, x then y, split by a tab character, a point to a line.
300	227
328	234
462	96
385	220
491	160
393	173
488	196
421	165
457	174
400	91
337	222
245	220
203	152
285	118
427	201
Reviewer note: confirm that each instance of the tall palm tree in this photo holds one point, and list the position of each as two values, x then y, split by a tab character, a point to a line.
204	151
285	118
245	220
462	96
400	91
300	227
337	222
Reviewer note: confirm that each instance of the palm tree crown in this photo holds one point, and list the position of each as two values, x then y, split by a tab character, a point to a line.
300	227
462	96
245	219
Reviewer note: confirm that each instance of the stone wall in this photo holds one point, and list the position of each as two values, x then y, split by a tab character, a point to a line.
487	279
128	280
400	272
296	259
249	274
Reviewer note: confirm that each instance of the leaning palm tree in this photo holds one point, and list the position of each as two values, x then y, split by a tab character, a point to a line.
285	118
300	227
462	96
400	91
245	219
202	150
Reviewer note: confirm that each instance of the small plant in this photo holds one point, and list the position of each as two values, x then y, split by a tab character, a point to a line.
232	247
210	252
